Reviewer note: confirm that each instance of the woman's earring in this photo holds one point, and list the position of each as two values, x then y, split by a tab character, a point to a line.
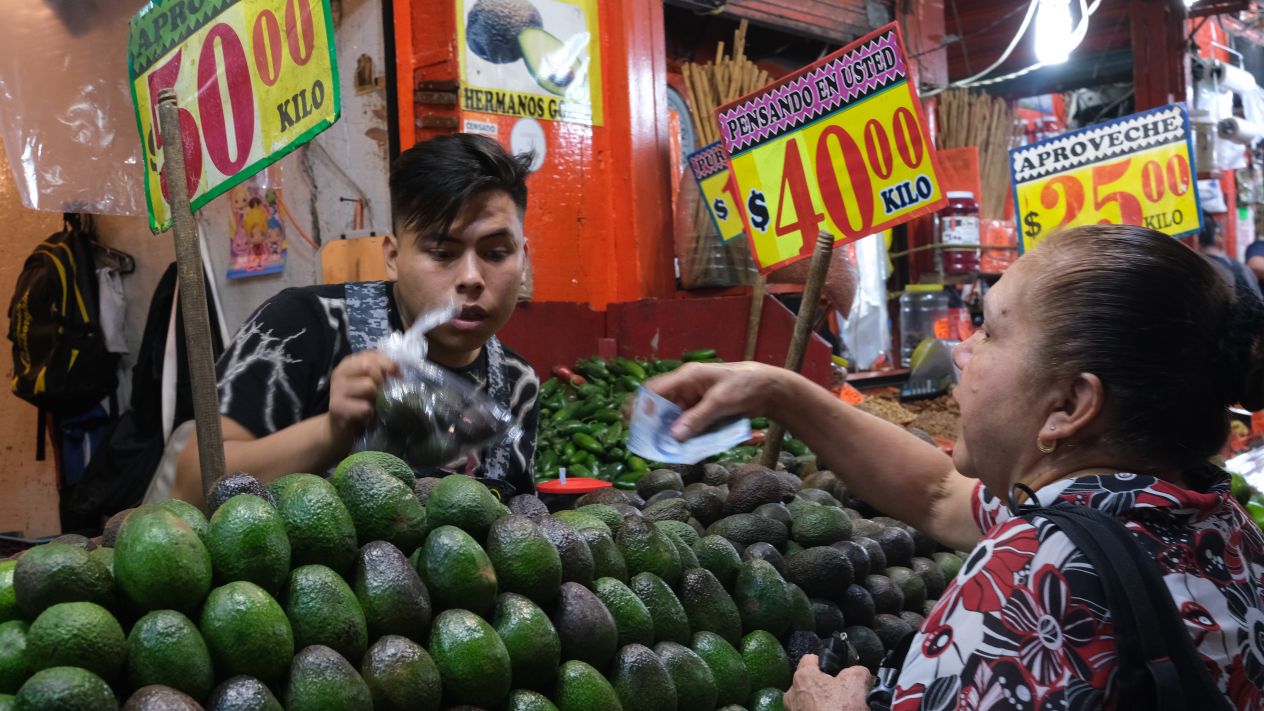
1046	448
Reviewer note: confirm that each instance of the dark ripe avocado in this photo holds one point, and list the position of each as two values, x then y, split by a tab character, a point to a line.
626	509
425	485
802	643
821	572
230	485
401	676
641	680
659	480
242	693
391	593
913	619
744	529
896	544
911	584
776	511
74	539
160	698
888	598
853	514
527	505
857	555
689	473
669	509
931	575
829	617
527	700
584	626
577	559
923	544
823	498
858	608
865	528
109	535
765	551
877	559
705	503
753	488
320	679
891	629
716	474
663	496
868	646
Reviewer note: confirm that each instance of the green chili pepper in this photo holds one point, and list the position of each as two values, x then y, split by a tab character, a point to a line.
587	442
637	464
698	355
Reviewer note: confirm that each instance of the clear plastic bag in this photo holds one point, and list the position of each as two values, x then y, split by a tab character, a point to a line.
429	416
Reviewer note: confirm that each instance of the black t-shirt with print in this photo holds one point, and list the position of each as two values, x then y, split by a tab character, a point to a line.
277	369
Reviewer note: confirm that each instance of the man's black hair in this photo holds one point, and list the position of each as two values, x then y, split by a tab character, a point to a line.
431	181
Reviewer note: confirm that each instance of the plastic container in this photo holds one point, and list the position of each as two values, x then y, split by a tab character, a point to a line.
958	235
921	306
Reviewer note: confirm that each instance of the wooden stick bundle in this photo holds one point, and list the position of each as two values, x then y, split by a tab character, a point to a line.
967	119
707	87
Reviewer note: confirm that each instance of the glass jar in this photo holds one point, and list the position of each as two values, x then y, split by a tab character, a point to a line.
958	235
921	306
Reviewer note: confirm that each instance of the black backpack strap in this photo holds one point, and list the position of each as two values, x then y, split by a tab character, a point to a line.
1159	668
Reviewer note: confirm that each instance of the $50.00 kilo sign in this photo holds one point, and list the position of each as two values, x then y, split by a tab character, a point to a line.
837	146
1131	171
254	80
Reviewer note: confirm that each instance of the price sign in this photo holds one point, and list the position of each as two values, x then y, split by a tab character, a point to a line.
710	168
254	80
837	146
1132	171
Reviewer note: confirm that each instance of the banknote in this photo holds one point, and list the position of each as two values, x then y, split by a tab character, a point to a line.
650	432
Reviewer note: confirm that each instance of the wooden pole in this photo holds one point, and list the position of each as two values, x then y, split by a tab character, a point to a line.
756	315
802	332
197	324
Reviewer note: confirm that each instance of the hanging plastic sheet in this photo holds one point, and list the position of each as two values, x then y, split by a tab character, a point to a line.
66	114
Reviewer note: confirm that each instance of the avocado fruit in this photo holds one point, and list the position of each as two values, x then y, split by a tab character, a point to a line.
472	660
492	28
671	624
525	561
391	594
822	571
165	648
401	676
584	626
708	606
247	541
691	677
242	693
641	680
321	678
530	639
323	610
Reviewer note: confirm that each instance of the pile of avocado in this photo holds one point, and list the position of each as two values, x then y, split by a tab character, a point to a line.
375	590
582	426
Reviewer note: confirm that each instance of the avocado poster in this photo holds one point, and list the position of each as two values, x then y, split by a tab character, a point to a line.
531	58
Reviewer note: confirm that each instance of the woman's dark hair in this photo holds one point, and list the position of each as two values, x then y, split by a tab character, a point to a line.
1171	340
431	181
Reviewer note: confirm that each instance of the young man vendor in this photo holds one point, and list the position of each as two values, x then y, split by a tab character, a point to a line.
298	383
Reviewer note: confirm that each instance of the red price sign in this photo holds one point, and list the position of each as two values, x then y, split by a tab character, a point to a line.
254	80
1132	171
838	146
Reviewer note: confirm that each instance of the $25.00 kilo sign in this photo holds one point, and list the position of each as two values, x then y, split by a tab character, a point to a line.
837	146
1130	171
254	80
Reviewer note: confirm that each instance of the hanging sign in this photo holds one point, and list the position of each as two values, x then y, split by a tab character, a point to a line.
1131	171
254	80
710	169
537	59
837	146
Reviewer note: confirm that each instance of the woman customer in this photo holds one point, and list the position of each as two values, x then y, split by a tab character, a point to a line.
1100	378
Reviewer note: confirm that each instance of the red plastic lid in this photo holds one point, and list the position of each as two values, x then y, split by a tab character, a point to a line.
573	485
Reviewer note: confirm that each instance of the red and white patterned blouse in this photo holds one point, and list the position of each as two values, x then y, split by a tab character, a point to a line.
1025	623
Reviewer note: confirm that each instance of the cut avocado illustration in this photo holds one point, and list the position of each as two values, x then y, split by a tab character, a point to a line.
553	63
493	26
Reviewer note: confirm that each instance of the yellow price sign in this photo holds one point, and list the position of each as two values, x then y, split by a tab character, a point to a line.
1131	171
254	79
838	146
710	169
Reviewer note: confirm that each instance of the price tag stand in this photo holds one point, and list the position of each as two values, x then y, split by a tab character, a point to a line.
197	323
802	332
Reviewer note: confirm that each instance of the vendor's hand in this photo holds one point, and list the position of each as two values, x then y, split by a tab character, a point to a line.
814	690
353	391
711	392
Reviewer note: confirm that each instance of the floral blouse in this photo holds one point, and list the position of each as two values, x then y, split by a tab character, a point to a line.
1025	624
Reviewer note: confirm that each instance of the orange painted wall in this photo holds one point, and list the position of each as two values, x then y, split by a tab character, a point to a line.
598	218
28	494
